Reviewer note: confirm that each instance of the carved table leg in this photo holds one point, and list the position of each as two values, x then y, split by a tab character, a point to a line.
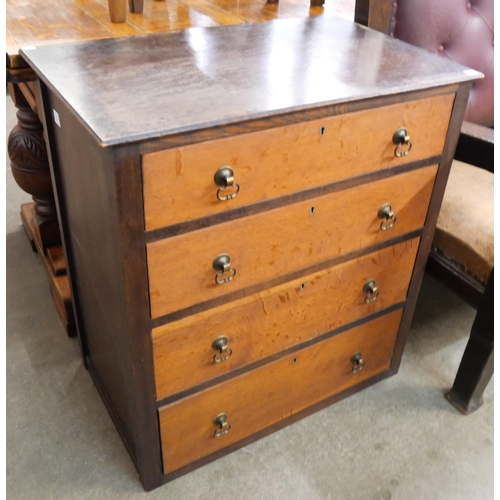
30	169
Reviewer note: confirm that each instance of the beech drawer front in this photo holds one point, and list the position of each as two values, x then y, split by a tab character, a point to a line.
260	398
267	322
271	244
179	183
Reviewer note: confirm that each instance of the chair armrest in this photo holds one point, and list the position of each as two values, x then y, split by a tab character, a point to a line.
475	146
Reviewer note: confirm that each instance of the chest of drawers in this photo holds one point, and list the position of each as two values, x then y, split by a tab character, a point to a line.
247	213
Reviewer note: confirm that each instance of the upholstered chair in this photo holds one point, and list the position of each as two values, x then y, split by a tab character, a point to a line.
462	252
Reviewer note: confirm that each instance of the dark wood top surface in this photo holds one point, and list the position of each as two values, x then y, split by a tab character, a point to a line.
142	87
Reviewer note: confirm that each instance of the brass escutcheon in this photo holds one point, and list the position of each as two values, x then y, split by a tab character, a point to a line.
357	362
222	263
221	421
371	291
388	215
224	178
221	344
401	139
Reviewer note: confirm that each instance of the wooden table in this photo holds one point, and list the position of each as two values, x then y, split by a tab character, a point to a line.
247	212
60	21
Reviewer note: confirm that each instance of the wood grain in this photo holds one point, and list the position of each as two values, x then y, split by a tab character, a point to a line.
95	271
162	16
12	49
108	279
210	77
456	121
376	14
280	317
252	11
58	279
273	392
100	12
50	21
206	81
283	240
117	10
179	183
213	11
24	26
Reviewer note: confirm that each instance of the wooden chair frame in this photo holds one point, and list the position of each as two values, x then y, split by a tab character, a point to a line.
475	146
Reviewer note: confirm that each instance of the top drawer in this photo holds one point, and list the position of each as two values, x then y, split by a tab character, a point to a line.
179	183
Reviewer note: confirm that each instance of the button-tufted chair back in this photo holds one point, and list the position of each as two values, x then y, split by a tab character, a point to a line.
460	30
462	252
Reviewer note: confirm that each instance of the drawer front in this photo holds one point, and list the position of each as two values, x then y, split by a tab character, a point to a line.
271	244
267	322
179	183
269	394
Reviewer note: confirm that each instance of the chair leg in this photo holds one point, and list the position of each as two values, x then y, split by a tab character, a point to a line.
117	10
476	367
136	6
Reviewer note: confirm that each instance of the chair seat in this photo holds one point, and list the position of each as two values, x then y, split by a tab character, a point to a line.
464	232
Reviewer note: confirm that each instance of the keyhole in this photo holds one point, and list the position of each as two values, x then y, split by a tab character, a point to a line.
322	131
302	287
294	361
312	210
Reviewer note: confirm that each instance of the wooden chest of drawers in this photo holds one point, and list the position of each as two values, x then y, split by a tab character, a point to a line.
247	213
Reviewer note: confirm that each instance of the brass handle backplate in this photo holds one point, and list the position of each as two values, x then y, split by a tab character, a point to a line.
388	216
371	291
221	344
223	427
224	178
357	362
222	264
402	141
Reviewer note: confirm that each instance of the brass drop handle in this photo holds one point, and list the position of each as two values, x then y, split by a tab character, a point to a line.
402	141
220	344
223	427
224	178
357	362
389	218
371	291
222	264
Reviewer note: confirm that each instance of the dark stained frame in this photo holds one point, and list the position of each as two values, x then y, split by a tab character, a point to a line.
99	197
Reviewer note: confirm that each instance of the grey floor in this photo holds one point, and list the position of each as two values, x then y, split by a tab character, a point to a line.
399	439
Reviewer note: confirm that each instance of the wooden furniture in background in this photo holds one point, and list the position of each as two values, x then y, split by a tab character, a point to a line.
118	9
30	168
462	254
61	21
32	23
217	282
376	14
476	367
